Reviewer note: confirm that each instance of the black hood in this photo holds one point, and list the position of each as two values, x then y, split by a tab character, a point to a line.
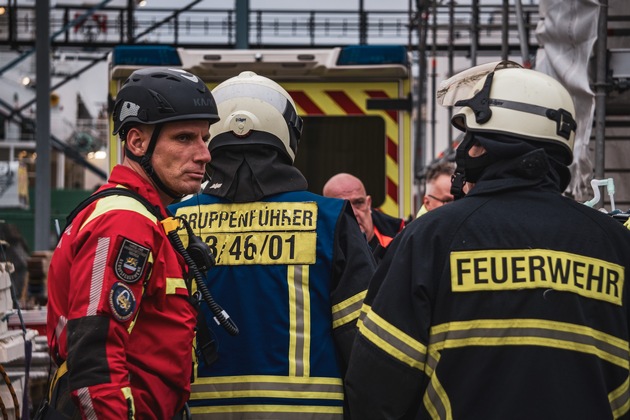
509	156
247	173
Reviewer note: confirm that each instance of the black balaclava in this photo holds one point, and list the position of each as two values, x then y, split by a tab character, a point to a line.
246	173
501	147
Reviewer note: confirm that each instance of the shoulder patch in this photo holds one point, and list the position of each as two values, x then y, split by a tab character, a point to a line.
122	301
131	261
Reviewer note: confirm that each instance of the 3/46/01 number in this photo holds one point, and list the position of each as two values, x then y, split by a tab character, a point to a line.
263	248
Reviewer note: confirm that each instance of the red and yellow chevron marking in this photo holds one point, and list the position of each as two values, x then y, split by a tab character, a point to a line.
334	99
349	98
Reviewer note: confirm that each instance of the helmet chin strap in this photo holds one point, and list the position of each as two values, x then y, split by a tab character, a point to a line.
458	180
145	162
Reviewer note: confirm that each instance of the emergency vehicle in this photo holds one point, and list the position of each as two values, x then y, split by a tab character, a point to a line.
355	102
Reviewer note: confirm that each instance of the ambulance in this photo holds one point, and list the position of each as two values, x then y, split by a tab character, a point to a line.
355	102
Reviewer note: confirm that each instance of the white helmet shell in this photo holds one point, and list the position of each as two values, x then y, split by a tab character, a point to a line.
256	110
521	102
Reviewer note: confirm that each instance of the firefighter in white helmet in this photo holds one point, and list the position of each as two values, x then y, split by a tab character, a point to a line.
510	302
292	267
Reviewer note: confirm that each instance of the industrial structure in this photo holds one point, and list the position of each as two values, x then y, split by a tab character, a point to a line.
442	37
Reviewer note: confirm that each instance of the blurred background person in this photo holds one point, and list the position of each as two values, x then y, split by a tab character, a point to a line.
437	186
379	228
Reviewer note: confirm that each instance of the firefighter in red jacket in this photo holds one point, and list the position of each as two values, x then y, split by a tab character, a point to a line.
120	319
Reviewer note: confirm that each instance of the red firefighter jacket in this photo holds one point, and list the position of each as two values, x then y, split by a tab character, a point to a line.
118	308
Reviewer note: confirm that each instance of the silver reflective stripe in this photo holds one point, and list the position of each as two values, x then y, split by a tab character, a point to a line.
536	332
393	341
299	323
86	403
255	386
231	391
61	324
98	275
348	310
436	401
620	400
252	413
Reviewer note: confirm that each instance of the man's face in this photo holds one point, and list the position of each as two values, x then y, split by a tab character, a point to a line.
181	154
438	192
362	208
352	190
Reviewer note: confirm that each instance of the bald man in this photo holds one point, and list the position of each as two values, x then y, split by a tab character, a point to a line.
378	227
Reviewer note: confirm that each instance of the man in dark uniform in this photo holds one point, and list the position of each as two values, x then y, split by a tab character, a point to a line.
292	267
510	302
379	228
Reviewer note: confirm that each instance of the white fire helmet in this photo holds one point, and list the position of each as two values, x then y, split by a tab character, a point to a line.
502	97
255	110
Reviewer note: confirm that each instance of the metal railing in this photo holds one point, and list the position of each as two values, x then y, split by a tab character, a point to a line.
453	27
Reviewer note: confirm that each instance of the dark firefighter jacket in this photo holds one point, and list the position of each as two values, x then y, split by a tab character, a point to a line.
510	303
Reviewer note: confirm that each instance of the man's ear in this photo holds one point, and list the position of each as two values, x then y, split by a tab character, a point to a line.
368	200
136	141
425	201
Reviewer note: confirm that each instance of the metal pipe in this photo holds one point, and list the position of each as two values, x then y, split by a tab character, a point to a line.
434	81
505	29
474	41
522	34
600	89
451	69
242	24
42	132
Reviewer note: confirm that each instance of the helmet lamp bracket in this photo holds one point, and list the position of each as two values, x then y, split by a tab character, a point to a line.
564	122
480	103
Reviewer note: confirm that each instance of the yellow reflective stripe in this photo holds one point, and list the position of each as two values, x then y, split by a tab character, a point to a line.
436	401
118	202
393	341
554	334
252	386
365	308
306	353
292	320
173	283
294	409
348	310
299	321
129	396
337	396
620	400
268	378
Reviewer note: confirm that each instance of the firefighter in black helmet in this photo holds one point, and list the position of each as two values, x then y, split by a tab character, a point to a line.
510	302
120	319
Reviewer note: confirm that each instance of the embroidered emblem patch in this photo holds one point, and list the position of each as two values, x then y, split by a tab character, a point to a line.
122	301
131	261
